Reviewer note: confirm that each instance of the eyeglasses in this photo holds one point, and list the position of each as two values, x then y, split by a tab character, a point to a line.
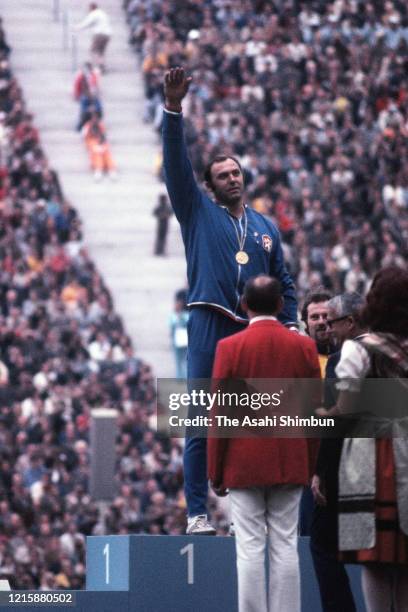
330	322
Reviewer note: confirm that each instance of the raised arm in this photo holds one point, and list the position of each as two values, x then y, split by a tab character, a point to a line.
180	181
176	85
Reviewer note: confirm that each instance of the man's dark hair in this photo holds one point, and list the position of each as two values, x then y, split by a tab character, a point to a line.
262	294
318	295
215	160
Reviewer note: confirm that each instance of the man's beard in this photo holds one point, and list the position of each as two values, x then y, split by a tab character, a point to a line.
230	199
321	335
325	347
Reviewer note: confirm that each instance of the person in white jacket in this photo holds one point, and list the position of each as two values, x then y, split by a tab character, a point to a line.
98	22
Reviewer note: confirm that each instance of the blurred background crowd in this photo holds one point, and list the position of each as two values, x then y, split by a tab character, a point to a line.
64	352
312	97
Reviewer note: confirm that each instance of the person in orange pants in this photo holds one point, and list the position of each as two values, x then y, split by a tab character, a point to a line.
100	155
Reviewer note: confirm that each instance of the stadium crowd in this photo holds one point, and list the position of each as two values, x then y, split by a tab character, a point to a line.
312	98
63	353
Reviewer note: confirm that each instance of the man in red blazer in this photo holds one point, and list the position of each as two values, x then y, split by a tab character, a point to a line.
264	475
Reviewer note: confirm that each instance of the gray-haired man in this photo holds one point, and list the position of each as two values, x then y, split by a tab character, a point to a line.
335	592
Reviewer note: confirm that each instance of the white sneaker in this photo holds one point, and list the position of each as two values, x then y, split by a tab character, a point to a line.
199	525
97	176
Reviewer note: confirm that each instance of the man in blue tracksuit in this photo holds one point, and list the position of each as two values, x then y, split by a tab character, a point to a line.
226	243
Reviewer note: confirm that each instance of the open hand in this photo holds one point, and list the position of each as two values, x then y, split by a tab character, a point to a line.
176	85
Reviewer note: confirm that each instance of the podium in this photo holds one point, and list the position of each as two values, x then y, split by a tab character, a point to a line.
185	573
165	573
143	573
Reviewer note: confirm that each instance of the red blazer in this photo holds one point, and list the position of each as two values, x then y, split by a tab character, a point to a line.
265	349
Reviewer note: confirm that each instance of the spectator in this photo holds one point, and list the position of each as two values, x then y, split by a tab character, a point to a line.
179	337
86	92
98	22
162	212
100	155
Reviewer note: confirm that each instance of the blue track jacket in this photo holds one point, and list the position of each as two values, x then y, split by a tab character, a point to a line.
211	242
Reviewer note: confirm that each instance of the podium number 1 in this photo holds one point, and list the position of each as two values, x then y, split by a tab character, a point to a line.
106	555
189	550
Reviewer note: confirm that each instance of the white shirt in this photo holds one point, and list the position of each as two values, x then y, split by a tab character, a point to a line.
353	366
98	22
263	318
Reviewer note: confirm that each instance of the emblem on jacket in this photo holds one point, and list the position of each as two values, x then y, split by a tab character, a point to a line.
267	242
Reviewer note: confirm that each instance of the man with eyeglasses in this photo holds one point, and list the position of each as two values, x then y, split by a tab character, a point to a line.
335	592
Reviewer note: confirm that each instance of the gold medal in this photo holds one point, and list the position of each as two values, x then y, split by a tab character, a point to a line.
242	257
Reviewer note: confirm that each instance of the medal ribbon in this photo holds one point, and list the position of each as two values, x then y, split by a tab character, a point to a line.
241	238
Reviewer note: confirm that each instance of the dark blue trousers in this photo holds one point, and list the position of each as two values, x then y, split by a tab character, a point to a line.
334	585
306	511
205	327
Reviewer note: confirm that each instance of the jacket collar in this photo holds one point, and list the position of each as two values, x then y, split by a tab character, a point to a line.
263	319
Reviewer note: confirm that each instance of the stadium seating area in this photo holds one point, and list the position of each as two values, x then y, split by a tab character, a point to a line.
63	352
312	98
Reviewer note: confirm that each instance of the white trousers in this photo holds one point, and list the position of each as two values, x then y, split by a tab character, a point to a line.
260	515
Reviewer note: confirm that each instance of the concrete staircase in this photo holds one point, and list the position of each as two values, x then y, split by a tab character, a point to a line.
119	228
